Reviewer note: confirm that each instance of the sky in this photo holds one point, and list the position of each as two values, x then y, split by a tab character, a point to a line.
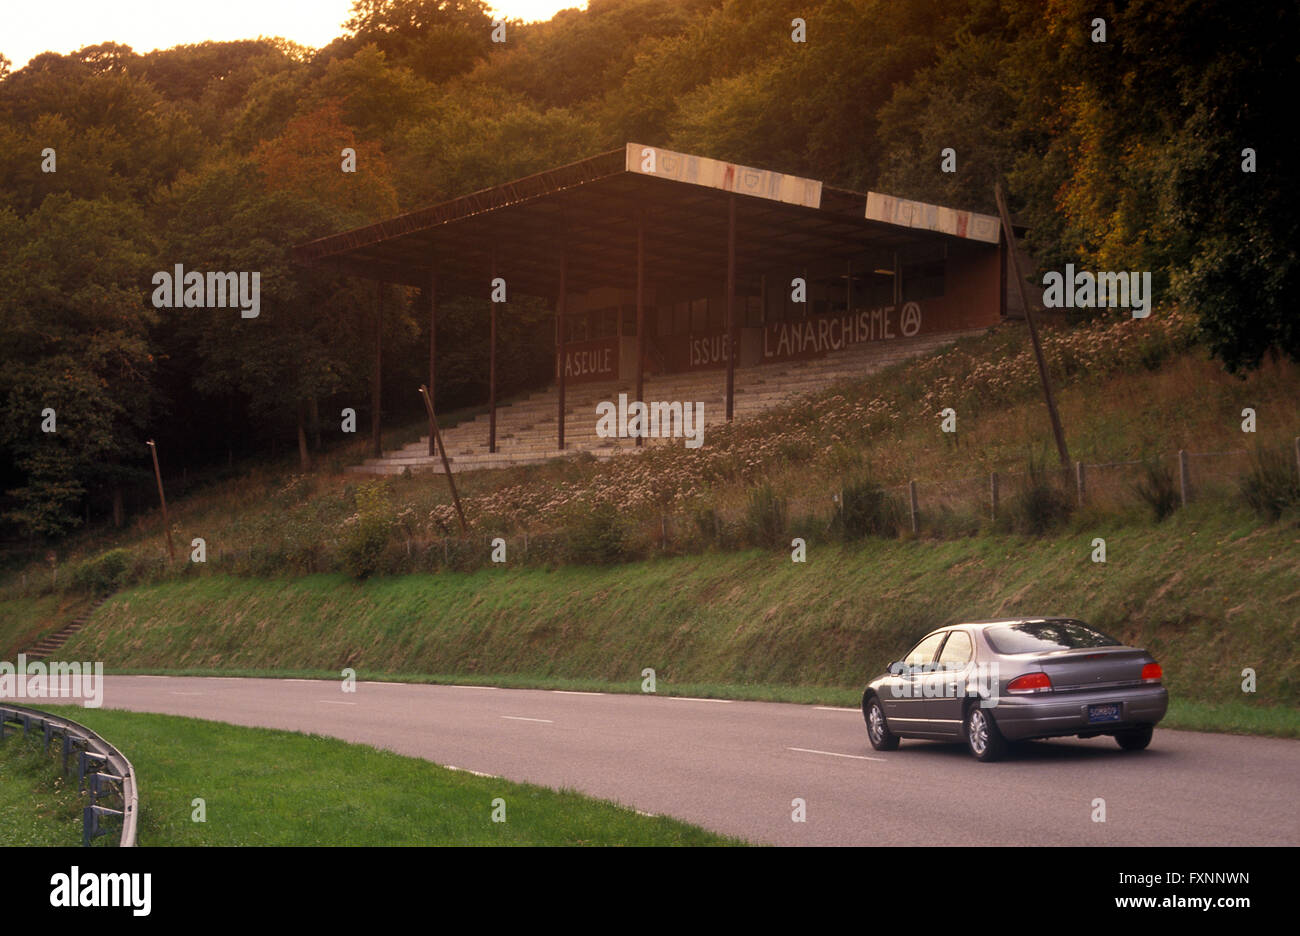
28	28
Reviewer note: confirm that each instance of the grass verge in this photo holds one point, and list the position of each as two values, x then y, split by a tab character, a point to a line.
265	787
38	805
1209	592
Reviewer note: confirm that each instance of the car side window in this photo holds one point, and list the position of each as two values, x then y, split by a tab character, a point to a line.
923	652
957	652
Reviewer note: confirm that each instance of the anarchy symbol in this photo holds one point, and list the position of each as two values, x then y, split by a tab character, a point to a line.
911	319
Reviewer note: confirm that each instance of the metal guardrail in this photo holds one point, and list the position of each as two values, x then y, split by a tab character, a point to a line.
101	768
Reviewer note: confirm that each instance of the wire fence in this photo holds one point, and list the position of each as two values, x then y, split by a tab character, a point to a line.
936	506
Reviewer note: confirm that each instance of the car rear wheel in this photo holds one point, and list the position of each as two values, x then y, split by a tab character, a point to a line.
1136	739
982	736
878	733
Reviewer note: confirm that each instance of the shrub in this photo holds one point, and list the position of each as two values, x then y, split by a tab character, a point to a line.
103	574
1040	503
707	522
1158	489
867	509
363	543
362	547
1271	486
765	518
597	537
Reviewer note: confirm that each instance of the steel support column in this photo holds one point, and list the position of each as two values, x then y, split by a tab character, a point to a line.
640	315
731	307
492	361
560	309
375	393
433	352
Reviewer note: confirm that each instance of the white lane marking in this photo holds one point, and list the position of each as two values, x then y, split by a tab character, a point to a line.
474	772
295	679
835	708
174	692
574	692
454	686
367	683
686	698
332	702
805	750
522	718
149	677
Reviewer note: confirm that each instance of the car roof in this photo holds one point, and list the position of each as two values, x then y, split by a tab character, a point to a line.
992	622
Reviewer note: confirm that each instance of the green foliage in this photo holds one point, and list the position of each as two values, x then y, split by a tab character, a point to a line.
1158	489
104	573
766	518
867	509
598	537
368	533
1040	502
1272	486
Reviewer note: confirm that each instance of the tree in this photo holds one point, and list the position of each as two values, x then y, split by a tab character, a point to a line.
74	326
438	39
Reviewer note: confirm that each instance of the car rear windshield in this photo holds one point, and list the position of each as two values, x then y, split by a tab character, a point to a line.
1044	636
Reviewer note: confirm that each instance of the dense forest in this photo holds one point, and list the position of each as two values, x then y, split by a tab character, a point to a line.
1166	147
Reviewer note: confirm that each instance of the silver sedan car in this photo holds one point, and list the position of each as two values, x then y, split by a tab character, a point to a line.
992	682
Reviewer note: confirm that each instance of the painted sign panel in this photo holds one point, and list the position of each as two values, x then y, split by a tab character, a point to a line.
915	214
706	351
729	177
586	361
814	337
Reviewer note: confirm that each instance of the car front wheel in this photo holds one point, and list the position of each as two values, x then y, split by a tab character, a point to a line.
878	733
1136	739
982	735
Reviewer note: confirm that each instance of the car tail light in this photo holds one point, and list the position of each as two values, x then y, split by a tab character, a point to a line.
1152	673
1030	682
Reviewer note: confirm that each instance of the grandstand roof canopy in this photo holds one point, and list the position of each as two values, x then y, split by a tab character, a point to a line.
782	221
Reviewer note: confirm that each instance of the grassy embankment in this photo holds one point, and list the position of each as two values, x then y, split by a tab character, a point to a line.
1127	390
24	620
263	787
1212	589
1208	591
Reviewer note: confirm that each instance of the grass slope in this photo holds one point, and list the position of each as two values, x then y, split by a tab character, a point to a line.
24	620
1209	592
38	805
264	787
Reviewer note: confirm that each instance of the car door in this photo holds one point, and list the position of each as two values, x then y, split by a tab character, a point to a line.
943	705
903	702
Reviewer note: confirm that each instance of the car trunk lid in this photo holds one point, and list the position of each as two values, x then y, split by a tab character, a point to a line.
1094	667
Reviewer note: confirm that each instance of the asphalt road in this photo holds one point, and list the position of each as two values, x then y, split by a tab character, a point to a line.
737	767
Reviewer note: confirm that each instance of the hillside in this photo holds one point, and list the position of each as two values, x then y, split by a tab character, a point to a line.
749	624
1128	391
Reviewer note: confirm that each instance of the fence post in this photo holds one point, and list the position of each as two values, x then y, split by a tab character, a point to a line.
993	491
1297	454
1184	477
1080	482
911	489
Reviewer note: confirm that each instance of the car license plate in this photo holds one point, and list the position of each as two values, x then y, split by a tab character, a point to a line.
1106	712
